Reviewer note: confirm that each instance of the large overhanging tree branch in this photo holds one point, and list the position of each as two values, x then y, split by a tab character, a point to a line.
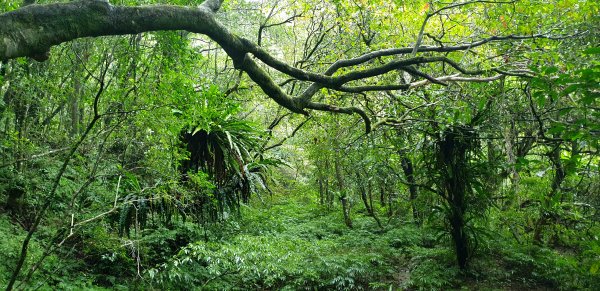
32	30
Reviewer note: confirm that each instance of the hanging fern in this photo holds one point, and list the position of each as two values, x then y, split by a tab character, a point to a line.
223	149
125	219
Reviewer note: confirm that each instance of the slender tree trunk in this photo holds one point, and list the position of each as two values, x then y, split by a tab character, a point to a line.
343	194
367	200
328	193
346	209
321	191
557	180
320	177
407	168
391	198
382	193
509	138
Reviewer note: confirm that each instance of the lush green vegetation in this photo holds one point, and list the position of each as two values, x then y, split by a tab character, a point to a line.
235	156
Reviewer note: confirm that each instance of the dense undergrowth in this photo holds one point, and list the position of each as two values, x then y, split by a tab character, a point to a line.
290	242
294	243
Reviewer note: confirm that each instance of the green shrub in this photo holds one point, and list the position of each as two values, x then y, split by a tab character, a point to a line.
432	269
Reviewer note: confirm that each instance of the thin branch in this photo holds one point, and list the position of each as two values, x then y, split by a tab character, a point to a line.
236	86
457	78
309	76
280	143
50	198
33	157
345	110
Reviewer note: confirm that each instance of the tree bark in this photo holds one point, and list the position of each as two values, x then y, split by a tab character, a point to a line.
367	199
33	29
328	193
557	180
382	193
407	168
452	163
343	194
321	191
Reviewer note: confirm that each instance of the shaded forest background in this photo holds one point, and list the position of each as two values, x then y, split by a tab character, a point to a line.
154	161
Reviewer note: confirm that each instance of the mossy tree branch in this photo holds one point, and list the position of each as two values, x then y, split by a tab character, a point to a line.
32	30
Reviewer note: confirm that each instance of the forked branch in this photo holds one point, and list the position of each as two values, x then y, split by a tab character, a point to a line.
32	30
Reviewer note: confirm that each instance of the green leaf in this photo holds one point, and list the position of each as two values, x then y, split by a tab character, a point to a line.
589	99
573	135
565	111
540	98
557	128
481	104
551	70
570	89
594	268
592	51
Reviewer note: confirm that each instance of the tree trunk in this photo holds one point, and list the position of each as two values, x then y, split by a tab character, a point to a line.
382	193
557	180
346	210
74	112
461	242
407	168
366	199
15	201
343	194
391	199
452	163
328	193
321	191
510	135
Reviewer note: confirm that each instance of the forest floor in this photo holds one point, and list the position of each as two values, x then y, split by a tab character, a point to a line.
291	242
398	256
